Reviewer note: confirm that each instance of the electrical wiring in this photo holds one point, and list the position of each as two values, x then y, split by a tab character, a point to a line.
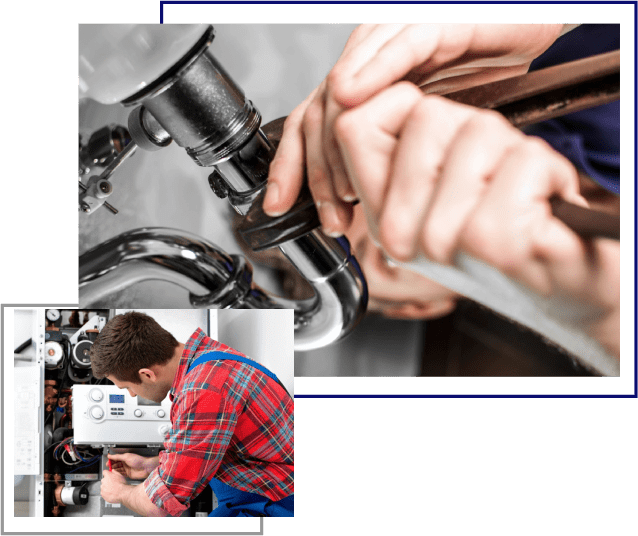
53	445
90	462
61	447
71	462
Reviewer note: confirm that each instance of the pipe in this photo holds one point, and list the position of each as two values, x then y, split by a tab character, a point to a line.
196	103
215	279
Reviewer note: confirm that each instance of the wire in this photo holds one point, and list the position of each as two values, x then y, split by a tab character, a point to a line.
62	445
92	461
71	462
53	445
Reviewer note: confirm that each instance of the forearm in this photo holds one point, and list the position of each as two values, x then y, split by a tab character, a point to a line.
135	498
151	463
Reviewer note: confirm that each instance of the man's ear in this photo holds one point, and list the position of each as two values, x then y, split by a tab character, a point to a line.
147	374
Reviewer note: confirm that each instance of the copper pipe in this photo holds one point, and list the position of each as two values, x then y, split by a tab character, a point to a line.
549	93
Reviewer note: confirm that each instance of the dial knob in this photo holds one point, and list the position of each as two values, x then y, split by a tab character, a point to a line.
137	413
96	395
163	430
97	412
161	413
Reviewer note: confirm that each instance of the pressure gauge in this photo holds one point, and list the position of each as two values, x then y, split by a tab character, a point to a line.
53	315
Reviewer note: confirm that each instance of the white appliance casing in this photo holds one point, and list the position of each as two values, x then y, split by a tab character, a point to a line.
100	420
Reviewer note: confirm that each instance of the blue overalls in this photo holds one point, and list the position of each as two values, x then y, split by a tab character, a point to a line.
233	502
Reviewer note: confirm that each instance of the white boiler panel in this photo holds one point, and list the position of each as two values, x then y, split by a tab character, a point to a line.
106	415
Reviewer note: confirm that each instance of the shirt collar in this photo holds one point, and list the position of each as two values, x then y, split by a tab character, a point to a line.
188	355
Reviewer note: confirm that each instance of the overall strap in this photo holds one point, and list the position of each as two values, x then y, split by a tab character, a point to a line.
224	356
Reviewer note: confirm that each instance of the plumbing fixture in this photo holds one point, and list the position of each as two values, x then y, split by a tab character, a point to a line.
193	101
216	279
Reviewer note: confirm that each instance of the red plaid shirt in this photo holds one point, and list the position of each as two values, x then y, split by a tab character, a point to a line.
229	421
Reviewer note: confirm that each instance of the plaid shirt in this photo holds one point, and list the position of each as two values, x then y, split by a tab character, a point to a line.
229	421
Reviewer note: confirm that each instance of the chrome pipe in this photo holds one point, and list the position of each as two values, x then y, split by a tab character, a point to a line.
218	280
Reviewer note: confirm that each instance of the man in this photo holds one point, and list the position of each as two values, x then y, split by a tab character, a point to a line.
231	423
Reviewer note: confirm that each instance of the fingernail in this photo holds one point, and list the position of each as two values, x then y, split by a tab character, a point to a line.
272	198
328	217
349	198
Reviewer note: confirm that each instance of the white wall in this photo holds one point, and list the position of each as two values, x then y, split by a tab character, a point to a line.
180	322
264	335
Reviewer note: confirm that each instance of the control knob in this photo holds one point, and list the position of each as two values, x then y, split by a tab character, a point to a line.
96	395
137	413
97	412
161	413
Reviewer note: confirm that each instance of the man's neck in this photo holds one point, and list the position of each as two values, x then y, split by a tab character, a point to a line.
173	364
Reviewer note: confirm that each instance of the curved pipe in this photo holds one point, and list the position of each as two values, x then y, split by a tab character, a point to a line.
215	279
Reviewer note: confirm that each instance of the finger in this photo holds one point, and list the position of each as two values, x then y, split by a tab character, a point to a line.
363	49
470	162
513	228
288	167
419	159
333	214
286	173
358	35
341	185
393	58
367	138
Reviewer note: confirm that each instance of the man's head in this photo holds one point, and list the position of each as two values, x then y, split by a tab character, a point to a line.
136	353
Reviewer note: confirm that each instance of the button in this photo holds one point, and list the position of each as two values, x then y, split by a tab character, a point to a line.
121	413
137	413
161	413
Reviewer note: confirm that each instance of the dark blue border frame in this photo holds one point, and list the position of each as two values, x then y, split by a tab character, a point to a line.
399	395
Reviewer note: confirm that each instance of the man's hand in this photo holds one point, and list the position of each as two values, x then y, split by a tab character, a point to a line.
133	466
437	178
113	487
439	58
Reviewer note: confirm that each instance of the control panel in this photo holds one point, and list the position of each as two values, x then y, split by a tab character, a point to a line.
106	415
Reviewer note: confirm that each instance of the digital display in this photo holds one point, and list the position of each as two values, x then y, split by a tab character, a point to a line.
145	402
116	399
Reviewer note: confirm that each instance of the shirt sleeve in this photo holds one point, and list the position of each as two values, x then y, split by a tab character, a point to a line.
204	425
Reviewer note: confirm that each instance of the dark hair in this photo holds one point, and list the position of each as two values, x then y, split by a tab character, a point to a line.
128	343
